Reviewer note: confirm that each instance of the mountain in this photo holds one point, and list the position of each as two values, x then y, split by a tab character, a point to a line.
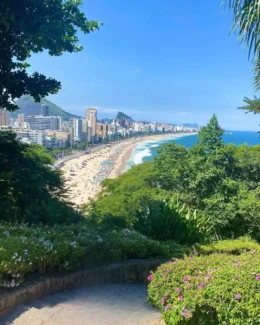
189	125
105	120
121	115
29	107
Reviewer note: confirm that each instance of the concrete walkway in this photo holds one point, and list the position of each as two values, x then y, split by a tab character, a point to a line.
116	304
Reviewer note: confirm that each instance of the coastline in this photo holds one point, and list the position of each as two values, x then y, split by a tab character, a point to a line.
83	174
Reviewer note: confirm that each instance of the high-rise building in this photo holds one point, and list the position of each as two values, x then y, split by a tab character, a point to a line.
45	110
33	136
3	117
38	122
11	121
91	116
102	129
84	130
77	129
20	118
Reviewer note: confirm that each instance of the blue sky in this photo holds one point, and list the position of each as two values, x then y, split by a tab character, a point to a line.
163	60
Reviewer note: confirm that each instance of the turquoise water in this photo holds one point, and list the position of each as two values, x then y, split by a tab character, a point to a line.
147	150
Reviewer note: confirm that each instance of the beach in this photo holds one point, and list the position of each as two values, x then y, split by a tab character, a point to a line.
84	173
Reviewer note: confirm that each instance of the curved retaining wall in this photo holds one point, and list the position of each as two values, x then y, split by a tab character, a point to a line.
133	271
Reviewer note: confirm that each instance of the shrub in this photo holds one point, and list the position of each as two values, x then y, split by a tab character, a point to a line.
169	220
42	249
217	289
235	247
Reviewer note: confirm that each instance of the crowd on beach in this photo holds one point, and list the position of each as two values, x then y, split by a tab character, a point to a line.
84	173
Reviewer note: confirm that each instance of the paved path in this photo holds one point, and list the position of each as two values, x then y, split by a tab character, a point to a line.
95	305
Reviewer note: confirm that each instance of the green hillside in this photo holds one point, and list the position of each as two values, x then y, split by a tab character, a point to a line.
29	107
121	115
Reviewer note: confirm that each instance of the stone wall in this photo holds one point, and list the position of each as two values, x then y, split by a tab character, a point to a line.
134	271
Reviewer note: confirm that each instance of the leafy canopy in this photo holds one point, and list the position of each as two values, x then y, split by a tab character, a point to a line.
33	26
221	182
30	189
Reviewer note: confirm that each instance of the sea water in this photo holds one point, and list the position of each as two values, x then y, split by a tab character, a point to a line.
146	151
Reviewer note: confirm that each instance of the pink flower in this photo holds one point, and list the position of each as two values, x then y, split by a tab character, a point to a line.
237	296
180	298
167	307
202	284
150	277
162	301
238	265
186	278
195	253
258	277
186	313
178	290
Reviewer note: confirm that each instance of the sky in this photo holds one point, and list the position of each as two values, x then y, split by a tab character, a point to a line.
158	60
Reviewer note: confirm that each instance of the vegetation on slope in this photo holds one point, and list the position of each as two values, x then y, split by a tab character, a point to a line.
220	182
121	115
28	106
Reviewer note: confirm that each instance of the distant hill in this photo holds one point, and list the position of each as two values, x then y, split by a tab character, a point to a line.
121	115
190	125
105	120
29	107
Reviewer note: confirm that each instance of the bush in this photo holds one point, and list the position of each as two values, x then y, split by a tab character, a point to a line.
218	289
169	220
42	249
235	247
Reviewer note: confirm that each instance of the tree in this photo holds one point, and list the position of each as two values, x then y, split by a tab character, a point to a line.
33	26
29	186
122	197
210	136
253	106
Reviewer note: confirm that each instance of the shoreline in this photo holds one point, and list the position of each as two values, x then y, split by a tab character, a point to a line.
84	174
126	156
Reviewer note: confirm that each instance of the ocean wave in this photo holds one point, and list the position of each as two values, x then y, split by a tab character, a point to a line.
138	157
154	146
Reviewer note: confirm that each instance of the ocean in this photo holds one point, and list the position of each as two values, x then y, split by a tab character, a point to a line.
148	150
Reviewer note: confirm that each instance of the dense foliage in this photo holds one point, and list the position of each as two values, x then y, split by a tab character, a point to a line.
218	289
30	189
122	197
32	26
220	182
134	201
42	249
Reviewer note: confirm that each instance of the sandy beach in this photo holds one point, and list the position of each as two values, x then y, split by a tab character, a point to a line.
84	174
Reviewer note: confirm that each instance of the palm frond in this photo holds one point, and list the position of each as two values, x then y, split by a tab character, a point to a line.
246	20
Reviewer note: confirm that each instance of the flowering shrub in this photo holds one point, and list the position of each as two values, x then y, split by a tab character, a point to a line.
39	249
218	289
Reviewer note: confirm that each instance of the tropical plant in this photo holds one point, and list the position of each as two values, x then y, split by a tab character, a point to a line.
169	220
246	21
